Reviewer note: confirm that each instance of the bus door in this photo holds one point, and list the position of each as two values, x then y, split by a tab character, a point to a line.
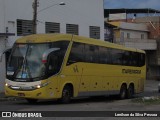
93	71
76	66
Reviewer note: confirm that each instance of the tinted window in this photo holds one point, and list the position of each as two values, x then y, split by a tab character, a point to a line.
77	53
116	56
104	55
81	52
91	53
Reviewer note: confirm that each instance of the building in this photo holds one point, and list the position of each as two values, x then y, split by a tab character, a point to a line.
136	35
153	25
80	17
138	31
133	35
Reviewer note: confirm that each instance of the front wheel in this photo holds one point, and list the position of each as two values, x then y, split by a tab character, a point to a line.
66	95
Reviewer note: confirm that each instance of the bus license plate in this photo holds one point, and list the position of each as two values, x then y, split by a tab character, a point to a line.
21	94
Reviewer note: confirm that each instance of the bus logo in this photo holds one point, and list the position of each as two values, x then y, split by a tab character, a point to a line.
131	71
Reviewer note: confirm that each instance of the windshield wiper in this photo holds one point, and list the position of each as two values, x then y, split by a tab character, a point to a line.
24	62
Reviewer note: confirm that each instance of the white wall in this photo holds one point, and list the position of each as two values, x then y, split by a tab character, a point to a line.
2	64
85	13
2	18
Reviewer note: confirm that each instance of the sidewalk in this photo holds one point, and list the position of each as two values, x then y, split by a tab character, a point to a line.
2	95
5	98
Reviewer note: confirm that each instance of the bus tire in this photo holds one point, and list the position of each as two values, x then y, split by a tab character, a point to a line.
130	91
31	101
66	94
123	92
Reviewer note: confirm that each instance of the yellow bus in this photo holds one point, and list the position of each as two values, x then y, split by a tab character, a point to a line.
64	66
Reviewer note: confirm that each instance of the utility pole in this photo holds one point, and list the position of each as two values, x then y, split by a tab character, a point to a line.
35	5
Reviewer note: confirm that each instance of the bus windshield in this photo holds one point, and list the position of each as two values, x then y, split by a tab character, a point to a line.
26	60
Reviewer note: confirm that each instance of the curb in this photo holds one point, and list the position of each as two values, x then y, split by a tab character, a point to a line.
7	98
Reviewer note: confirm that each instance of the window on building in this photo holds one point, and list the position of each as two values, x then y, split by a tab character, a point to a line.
128	35
142	36
72	29
94	32
122	37
52	27
24	27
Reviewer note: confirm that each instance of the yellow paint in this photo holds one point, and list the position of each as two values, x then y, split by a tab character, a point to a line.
90	77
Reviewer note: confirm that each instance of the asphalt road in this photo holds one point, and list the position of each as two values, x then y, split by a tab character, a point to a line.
109	103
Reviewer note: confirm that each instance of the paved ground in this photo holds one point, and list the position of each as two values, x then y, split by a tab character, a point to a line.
88	104
151	88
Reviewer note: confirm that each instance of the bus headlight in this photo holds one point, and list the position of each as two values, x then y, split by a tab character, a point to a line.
6	84
38	86
42	85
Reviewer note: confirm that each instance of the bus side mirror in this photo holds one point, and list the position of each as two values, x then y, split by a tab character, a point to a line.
46	54
7	51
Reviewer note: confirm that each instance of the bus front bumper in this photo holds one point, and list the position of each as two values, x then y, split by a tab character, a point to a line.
40	93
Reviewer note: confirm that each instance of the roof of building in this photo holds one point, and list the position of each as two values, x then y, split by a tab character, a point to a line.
130	26
107	24
129	11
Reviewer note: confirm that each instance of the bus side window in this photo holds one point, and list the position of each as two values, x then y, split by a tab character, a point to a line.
52	64
94	53
76	54
89	50
141	59
104	55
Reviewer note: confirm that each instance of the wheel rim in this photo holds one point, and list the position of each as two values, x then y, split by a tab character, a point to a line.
66	95
123	92
130	92
123	95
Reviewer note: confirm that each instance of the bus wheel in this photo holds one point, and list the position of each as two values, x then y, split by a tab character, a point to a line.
130	91
31	101
123	92
66	94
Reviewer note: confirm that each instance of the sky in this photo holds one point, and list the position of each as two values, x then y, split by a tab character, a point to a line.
153	4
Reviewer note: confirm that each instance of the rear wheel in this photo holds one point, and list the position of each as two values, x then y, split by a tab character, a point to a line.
66	94
31	101
130	91
123	92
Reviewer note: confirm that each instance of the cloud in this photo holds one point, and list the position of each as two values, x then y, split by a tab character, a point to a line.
154	4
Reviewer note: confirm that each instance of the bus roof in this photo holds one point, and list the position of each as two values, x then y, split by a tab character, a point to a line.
43	38
104	43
